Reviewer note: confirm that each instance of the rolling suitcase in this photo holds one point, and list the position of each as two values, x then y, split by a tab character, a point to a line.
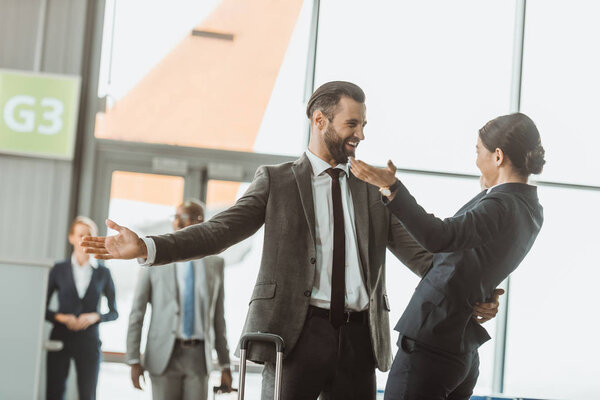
261	337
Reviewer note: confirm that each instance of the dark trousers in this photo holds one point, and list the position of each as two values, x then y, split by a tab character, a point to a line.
87	355
420	372
337	364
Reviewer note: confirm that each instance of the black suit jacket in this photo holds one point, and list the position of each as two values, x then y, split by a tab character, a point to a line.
474	252
61	280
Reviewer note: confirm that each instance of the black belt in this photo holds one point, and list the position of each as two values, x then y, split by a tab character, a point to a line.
357	317
188	342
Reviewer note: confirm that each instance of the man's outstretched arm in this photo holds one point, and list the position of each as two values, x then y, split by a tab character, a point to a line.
223	230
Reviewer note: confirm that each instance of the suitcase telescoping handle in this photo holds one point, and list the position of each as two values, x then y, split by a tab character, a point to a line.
260	337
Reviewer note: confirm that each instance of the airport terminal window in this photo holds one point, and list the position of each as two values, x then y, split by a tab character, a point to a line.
552	343
434	72
561	85
207	79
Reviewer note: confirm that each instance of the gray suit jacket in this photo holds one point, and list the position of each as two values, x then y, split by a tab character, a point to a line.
280	197
158	286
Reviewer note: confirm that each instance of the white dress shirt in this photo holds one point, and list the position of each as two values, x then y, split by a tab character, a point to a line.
200	290
357	298
82	274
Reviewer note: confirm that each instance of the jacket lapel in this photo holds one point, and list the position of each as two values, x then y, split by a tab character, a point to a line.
71	280
302	171
171	278
360	201
205	271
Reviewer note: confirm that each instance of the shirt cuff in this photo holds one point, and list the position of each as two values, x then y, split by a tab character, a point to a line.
134	361
225	366
151	249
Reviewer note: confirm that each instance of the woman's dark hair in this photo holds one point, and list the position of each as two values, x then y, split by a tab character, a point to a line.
328	95
517	136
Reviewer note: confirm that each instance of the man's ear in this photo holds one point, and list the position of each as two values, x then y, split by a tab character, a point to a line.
320	120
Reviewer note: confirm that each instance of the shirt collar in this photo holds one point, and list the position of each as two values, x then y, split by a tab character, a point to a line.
92	262
490	189
319	166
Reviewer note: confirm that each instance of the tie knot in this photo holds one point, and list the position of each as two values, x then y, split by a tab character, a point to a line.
334	173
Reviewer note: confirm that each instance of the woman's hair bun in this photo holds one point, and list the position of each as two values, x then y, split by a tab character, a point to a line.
534	160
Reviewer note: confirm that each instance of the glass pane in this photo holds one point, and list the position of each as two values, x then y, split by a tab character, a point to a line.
443	197
433	71
223	74
143	203
552	342
242	260
561	85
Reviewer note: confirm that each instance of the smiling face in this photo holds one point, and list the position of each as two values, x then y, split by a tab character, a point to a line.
346	129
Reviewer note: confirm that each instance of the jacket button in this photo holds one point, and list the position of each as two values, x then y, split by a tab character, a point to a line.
307	293
313	260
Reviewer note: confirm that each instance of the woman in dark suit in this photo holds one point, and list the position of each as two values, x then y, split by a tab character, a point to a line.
80	282
475	250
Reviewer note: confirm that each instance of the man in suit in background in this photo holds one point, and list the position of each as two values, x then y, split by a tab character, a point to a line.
187	322
321	283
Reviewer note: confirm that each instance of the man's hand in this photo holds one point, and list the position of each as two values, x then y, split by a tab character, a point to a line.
380	177
137	371
483	312
69	320
125	245
226	380
86	320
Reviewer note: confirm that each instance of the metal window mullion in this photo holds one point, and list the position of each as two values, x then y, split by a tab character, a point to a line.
311	61
499	370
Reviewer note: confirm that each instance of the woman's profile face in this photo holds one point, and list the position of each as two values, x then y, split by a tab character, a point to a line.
486	162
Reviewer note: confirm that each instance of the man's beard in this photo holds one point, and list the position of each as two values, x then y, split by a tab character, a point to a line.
336	146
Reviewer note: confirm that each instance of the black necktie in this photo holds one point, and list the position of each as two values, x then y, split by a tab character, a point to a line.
338	275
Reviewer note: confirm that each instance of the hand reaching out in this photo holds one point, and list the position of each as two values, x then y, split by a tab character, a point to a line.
381	177
125	245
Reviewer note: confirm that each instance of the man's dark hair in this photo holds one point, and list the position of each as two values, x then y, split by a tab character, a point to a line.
328	95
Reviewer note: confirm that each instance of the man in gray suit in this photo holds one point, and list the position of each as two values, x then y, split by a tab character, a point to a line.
321	283
187	322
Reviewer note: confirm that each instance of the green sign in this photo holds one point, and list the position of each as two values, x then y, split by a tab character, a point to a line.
38	114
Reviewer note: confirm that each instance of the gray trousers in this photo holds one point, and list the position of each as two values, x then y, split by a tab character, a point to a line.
185	378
